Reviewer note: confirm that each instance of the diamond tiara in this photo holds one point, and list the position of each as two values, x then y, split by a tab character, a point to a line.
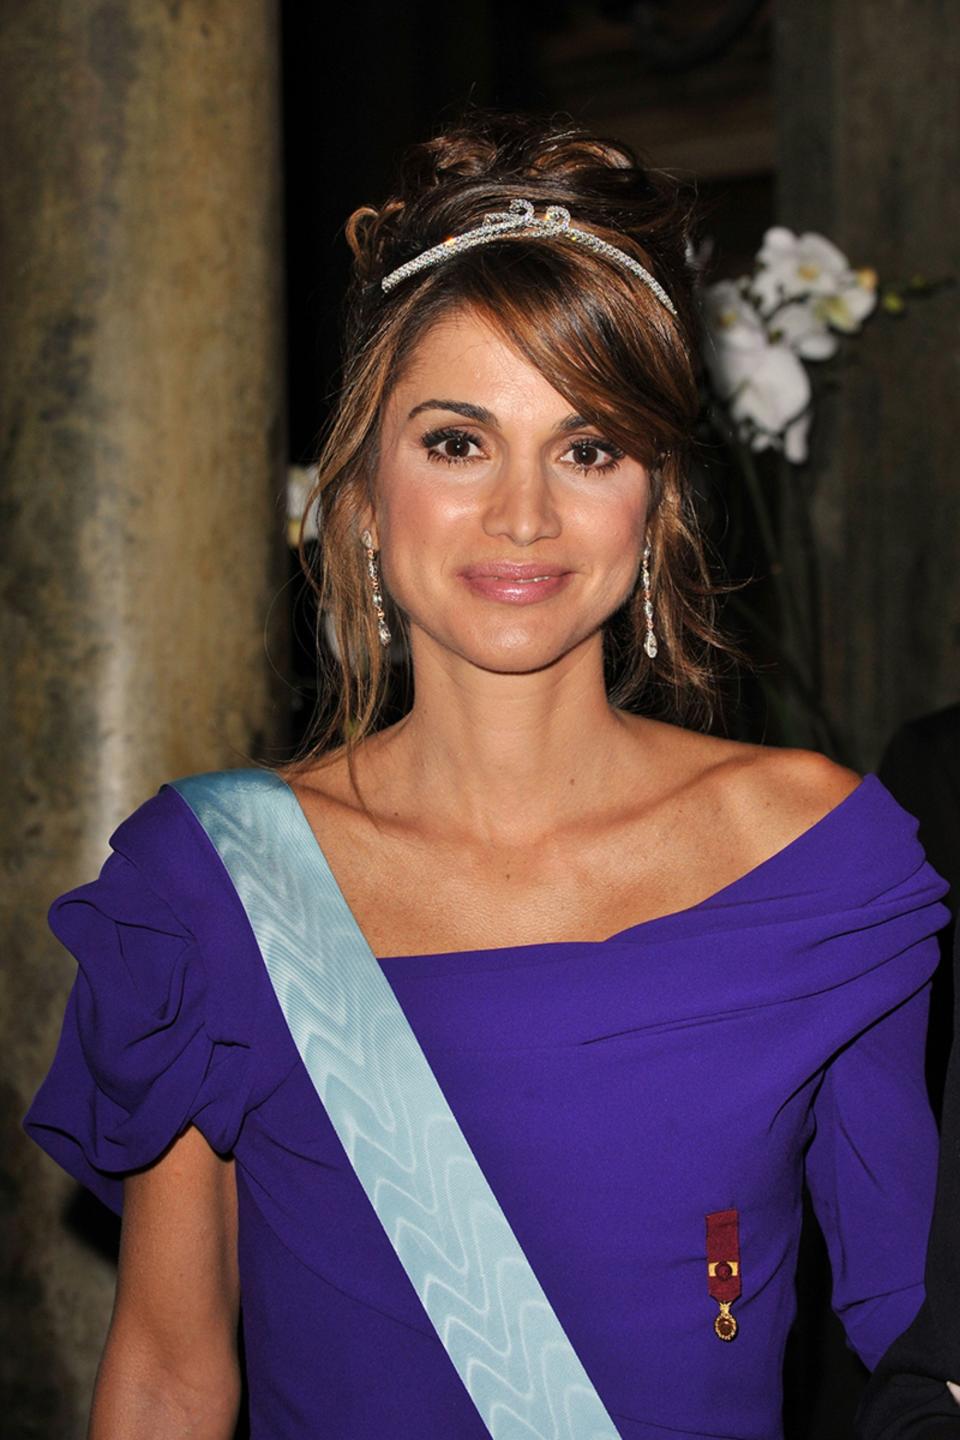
520	218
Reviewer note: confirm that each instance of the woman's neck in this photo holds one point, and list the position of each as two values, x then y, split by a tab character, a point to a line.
502	758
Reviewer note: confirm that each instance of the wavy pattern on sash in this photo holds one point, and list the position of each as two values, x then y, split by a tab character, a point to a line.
393	1120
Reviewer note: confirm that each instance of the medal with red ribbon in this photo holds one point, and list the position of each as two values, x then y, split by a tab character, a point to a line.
723	1267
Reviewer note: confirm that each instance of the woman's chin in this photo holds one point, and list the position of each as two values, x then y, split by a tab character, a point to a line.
515	650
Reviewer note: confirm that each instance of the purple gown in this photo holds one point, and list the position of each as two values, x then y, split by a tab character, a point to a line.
614	1093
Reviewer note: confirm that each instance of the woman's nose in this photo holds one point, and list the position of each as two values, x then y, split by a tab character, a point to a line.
521	505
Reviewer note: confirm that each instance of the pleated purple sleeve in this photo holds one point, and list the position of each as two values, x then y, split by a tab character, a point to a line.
138	1058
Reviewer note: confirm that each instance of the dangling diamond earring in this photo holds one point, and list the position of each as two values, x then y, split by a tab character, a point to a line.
373	570
650	641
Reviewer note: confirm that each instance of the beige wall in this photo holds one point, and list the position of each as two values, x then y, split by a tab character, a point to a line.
142	404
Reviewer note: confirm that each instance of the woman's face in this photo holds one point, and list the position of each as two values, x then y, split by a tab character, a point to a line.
483	464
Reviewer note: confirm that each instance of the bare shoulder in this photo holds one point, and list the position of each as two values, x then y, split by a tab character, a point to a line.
758	797
794	781
779	793
803	781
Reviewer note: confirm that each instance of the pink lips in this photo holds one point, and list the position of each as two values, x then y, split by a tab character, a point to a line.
517	584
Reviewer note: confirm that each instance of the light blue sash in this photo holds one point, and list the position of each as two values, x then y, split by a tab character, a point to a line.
396	1127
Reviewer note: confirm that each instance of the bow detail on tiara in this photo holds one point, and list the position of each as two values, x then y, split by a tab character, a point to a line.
521	212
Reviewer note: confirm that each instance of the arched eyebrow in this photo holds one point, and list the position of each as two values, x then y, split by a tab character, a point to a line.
483	416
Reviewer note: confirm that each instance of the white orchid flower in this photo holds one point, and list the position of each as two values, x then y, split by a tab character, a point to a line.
760	328
730	315
795	438
762	380
852	303
792	267
772	394
803	325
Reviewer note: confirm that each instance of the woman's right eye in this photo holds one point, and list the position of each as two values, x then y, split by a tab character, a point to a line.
449	436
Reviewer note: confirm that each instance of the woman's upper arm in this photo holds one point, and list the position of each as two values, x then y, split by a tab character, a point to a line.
178	1248
170	1364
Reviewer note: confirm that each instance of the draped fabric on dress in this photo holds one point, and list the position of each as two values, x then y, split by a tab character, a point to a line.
615	1094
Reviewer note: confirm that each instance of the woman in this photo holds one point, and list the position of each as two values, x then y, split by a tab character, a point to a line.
659	976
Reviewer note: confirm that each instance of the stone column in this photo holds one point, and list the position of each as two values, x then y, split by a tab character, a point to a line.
868	114
142	423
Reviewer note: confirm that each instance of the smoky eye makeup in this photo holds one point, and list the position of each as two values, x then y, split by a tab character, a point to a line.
433	442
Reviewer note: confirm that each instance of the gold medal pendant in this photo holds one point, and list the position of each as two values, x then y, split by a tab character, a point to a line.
723	1268
725	1325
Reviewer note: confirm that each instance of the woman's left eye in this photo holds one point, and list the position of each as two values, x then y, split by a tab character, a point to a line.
603	447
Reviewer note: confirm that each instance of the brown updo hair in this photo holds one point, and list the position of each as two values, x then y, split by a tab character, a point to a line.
593	329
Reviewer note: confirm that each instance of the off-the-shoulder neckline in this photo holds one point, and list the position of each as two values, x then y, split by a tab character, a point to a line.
717	897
